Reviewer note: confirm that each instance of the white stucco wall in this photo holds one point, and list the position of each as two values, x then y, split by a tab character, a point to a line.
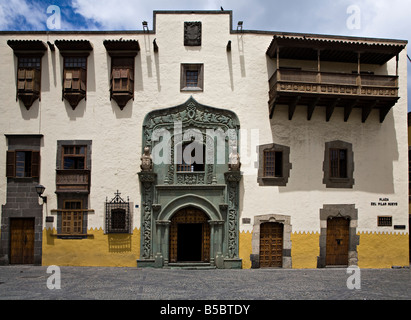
236	80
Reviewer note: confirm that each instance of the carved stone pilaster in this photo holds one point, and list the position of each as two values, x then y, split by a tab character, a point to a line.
147	180
233	179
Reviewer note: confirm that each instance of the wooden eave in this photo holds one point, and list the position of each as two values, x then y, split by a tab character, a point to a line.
73	45
122	46
27	45
335	50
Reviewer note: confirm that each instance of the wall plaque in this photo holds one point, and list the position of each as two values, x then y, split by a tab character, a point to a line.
192	33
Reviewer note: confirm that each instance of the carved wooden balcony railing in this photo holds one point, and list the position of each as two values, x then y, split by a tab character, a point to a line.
311	88
73	181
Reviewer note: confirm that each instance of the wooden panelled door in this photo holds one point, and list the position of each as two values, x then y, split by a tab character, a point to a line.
189	236
337	242
271	245
22	241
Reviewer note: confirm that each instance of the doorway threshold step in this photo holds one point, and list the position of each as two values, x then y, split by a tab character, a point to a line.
191	265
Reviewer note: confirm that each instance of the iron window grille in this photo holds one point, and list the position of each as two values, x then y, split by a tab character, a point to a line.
118	218
385	221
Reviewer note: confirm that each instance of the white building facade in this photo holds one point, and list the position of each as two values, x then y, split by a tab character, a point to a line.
135	135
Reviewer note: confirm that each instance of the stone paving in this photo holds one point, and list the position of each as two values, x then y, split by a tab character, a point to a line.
98	283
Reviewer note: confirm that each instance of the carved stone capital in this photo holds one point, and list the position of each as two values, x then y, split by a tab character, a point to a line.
233	176
147	176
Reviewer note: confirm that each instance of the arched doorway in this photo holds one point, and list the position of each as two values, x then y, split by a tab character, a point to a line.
189	236
271	245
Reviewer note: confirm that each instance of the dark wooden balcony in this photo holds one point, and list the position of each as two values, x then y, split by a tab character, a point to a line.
73	181
294	87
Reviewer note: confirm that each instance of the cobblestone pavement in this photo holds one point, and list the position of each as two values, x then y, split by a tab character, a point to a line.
97	283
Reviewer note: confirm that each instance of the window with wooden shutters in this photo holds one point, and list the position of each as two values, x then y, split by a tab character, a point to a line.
29	80
75	79
122	80
75	74
23	164
72	218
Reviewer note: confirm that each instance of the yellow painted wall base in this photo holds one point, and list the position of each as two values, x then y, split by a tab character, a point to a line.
108	250
244	249
379	250
376	250
305	248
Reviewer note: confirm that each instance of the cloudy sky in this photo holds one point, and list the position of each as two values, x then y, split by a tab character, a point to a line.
370	18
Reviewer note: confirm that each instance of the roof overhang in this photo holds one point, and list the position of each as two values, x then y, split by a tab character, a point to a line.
73	45
27	46
336	50
118	47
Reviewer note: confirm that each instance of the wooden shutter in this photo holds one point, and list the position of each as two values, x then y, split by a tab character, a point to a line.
75	84
11	164
21	79
68	76
124	79
116	80
35	164
36	80
83	79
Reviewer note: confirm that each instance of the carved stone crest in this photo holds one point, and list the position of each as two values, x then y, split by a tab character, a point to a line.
192	33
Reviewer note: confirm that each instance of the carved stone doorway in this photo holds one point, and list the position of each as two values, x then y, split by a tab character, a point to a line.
189	236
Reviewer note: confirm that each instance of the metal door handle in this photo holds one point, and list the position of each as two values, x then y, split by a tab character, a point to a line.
338	241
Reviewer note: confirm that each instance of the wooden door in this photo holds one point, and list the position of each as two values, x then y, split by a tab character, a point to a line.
189	216
22	241
337	242
271	245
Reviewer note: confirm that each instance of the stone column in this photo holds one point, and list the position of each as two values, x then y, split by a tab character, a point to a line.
216	245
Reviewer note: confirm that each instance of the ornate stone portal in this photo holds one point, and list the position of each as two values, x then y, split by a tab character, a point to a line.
211	188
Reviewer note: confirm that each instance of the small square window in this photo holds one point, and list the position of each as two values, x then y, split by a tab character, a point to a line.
385	221
192	77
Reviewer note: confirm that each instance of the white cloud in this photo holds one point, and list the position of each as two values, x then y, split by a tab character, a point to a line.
12	12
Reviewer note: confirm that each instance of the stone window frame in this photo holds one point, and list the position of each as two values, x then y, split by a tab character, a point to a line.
183	79
286	168
255	238
330	182
336	211
64	143
61	197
